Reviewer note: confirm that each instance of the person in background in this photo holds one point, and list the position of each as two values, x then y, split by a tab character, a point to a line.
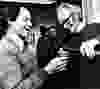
74	24
90	36
69	17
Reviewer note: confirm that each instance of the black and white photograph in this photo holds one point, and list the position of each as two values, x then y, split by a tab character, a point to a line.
49	44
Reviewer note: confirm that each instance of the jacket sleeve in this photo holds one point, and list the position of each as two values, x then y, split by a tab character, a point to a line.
89	32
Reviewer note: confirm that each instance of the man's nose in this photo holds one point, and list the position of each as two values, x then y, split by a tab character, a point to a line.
29	23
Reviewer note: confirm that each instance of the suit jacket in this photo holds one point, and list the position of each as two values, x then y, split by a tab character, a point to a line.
91	31
47	50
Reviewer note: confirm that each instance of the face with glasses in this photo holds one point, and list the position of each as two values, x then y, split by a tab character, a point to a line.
68	12
63	13
76	17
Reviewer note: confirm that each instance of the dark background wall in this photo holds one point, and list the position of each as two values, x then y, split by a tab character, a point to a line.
48	14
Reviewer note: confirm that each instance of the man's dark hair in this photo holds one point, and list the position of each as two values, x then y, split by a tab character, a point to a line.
15	10
3	20
3	26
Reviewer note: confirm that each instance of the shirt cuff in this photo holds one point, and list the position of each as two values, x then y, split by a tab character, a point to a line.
96	40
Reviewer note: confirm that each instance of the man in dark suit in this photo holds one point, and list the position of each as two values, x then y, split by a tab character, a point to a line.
90	38
70	79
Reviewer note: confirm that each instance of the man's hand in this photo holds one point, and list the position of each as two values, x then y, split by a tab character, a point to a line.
88	48
56	64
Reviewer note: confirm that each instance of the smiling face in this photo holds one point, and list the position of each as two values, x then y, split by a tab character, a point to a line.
24	19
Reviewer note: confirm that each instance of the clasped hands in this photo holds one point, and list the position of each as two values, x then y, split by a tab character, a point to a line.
56	65
59	63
